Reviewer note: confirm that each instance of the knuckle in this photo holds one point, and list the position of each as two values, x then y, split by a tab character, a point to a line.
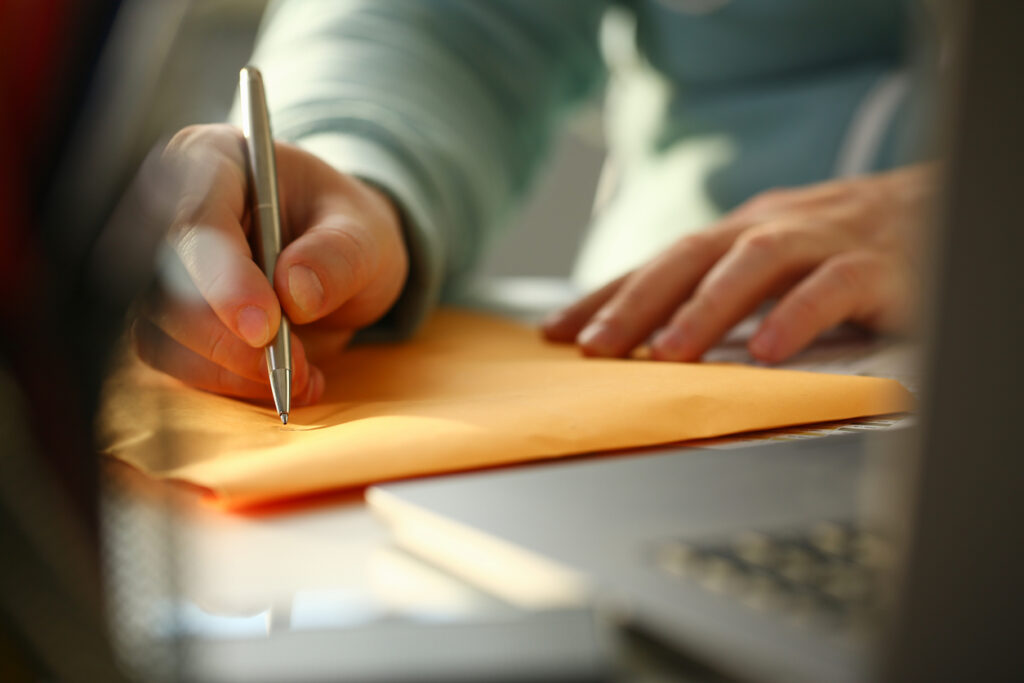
697	245
185	137
221	136
200	156
870	192
806	306
766	241
766	199
357	257
852	270
220	347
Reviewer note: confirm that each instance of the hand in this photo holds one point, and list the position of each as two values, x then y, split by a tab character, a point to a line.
343	267
841	250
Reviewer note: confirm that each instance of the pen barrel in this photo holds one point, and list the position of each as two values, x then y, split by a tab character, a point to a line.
268	238
266	222
279	351
261	168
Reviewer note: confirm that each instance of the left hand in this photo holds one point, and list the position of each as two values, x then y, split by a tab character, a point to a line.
839	251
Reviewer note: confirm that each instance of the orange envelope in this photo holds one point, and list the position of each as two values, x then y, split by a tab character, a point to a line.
470	391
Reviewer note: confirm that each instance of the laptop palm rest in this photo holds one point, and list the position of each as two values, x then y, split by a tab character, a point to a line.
621	530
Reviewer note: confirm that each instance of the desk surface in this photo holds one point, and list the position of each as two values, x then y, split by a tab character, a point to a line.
178	565
324	562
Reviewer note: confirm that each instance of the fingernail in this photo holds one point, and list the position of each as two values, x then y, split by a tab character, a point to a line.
599	339
763	343
668	344
254	326
306	289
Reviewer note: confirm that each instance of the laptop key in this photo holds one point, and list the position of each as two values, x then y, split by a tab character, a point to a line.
824	574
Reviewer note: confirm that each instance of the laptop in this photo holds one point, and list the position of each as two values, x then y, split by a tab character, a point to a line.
893	556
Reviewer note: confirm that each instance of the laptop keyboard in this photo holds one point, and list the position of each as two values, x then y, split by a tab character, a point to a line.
826	574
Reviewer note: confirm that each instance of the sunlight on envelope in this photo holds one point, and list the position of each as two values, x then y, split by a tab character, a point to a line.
470	391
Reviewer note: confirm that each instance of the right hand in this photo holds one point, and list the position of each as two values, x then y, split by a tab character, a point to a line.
344	266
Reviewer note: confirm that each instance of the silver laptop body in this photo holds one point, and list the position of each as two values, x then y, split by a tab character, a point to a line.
893	557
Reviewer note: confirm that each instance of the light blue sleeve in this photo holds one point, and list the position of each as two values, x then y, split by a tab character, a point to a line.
447	105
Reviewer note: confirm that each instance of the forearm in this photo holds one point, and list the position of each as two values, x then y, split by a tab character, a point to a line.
447	106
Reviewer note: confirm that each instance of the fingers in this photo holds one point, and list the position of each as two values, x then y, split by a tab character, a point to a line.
348	264
648	297
851	231
346	260
345	266
757	264
192	324
218	262
566	324
161	352
333	271
208	236
859	286
165	354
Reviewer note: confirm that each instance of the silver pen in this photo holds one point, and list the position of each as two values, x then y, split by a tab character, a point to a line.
266	218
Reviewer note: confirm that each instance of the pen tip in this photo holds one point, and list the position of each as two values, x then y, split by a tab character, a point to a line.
284	418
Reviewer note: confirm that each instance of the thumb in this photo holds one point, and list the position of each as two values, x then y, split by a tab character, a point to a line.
343	269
